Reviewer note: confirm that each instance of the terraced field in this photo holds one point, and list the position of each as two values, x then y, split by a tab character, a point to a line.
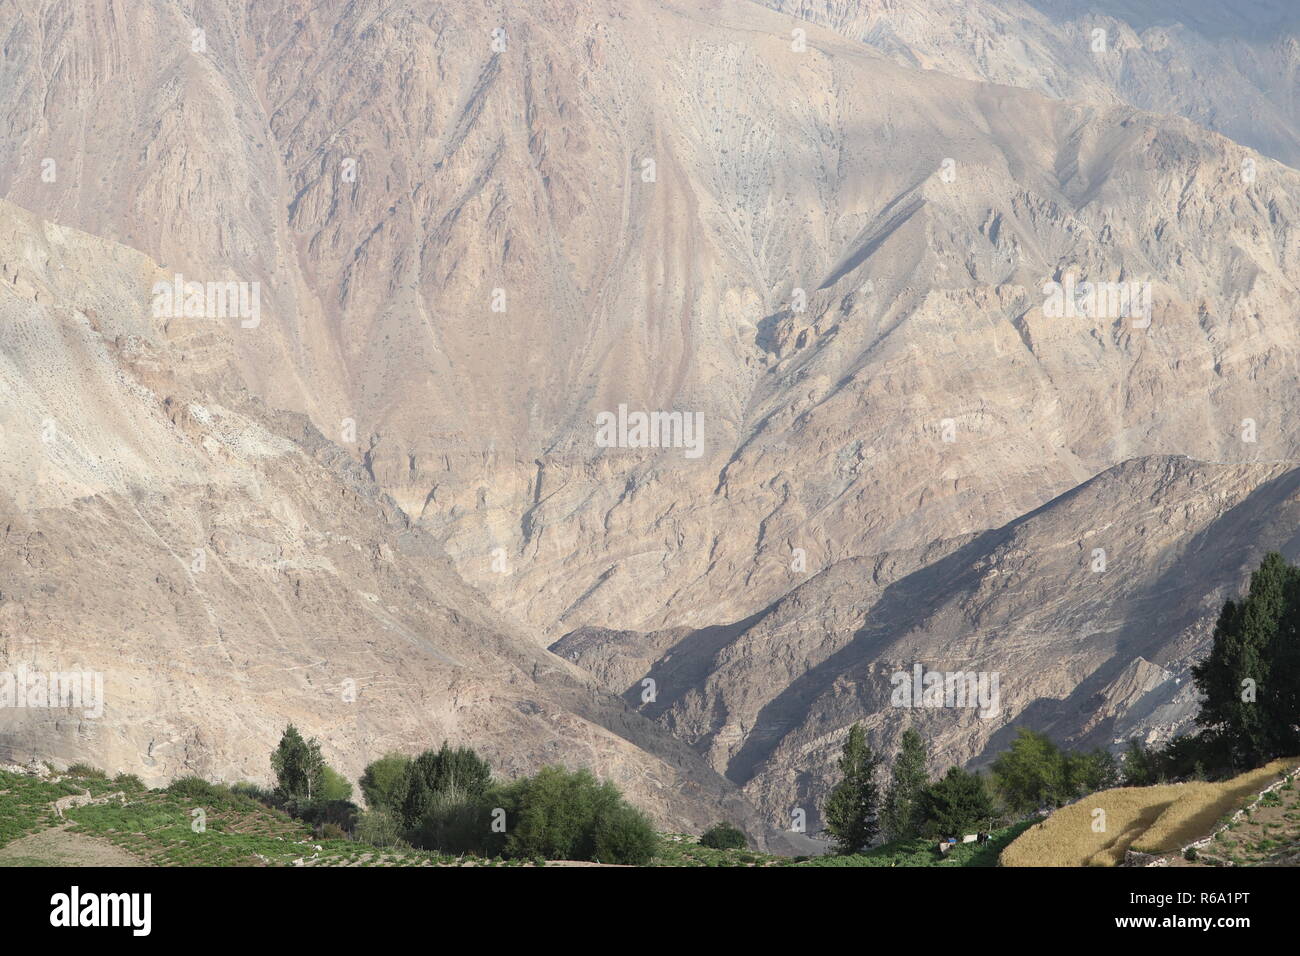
1246	823
1265	834
160	828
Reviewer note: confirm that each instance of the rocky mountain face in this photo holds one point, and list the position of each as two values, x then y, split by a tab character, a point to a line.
1229	67
227	569
1089	610
486	237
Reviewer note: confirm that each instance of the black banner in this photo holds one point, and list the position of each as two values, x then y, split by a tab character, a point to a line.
290	905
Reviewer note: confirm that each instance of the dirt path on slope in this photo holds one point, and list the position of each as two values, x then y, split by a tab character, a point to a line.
61	847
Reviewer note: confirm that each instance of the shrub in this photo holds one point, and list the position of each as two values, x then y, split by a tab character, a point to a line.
454	821
341	813
379	828
253	791
195	788
723	836
86	771
564	815
624	835
332	831
129	783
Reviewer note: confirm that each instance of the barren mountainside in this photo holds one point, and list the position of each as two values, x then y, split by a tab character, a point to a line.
826	231
257	575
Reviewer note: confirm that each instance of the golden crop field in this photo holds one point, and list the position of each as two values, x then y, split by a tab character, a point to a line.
1097	830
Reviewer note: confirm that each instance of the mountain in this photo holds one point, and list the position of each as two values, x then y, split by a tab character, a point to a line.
228	570
1093	649
1229	67
479	230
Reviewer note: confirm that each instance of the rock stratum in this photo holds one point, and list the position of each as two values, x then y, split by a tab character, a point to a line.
478	227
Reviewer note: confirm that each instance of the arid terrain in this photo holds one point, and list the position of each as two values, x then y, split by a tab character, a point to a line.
378	504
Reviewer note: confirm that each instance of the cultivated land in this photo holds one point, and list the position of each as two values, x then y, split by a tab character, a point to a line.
82	818
1160	821
133	827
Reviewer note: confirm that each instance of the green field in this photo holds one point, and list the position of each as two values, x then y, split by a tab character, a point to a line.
155	827
923	853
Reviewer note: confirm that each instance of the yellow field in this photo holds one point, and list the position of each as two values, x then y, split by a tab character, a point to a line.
1158	819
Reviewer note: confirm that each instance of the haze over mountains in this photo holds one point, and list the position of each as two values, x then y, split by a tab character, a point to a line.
826	229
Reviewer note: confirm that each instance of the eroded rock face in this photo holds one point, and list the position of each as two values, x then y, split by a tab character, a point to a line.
1217	64
477	230
1088	627
222	569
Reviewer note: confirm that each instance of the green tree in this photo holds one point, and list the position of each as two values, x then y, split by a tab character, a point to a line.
1031	774
1087	773
852	809
1282	700
723	836
624	835
443	778
1241	704
1140	767
906	782
334	786
569	815
448	769
299	768
383	782
955	804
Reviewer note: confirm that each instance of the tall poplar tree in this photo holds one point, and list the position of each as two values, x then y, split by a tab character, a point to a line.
1243	704
906	782
853	808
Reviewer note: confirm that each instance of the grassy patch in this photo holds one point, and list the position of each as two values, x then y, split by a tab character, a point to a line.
676	849
159	827
923	853
27	804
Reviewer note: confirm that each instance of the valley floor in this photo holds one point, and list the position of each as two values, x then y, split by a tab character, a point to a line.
91	821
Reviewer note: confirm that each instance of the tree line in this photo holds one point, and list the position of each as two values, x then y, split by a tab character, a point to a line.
1032	774
447	800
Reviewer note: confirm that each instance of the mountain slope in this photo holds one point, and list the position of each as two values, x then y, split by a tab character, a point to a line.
1230	67
383	209
225	569
1091	652
478	227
